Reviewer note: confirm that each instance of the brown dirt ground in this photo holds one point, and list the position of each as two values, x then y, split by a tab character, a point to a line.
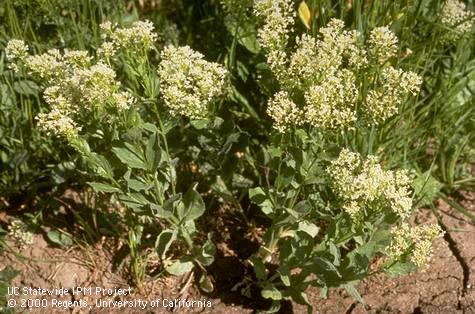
447	286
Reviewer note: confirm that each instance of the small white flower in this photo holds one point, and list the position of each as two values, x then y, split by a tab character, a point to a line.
279	17
415	241
188	82
48	65
383	44
107	27
456	16
106	51
394	87
123	100
283	112
326	70
57	123
140	36
15	51
76	58
331	104
18	230
360	183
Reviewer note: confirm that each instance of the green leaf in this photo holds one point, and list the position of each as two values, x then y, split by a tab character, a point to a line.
137	185
104	187
378	243
207	252
426	188
164	240
271	292
188	227
130	156
152	152
300	297
205	283
400	268
286	177
324	292
242	70
63	171
245	32
239	98
104	168
335	252
160	212
259	268
200	124
179	267
274	308
8	274
258	196
26	87
320	263
219	186
193	205
99	163
59	238
353	293
309	228
284	272
133	200
149	127
239	181
303	208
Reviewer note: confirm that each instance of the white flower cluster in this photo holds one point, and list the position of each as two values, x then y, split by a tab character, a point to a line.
14	51
279	18
76	58
383	44
58	123
337	45
188	82
330	103
363	184
455	15
18	230
75	87
414	241
327	71
383	101
283	111
137	38
51	65
96	87
45	66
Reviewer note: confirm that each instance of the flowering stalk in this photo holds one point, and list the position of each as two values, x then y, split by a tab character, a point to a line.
88	105
413	242
328	72
330	86
188	83
457	18
360	183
